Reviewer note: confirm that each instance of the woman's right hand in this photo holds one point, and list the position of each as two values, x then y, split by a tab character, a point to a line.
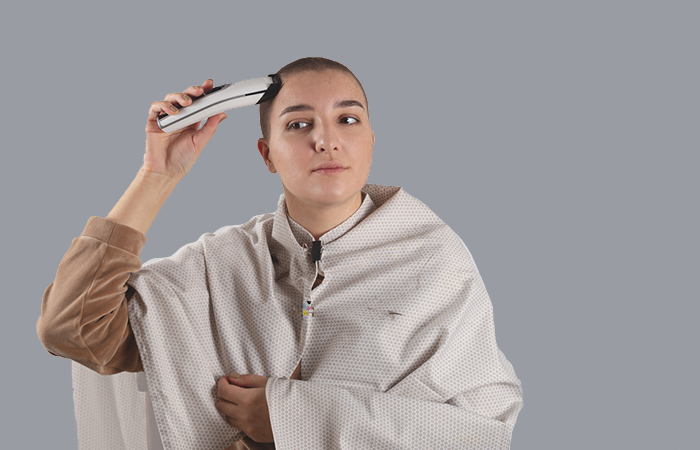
173	154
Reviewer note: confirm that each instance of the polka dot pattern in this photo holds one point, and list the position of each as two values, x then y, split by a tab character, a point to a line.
399	352
110	412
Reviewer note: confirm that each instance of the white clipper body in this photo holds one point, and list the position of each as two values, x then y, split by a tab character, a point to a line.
220	99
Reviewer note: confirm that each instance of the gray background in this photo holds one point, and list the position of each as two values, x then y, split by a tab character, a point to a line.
558	139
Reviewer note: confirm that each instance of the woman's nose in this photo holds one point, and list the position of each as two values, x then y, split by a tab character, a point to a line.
325	139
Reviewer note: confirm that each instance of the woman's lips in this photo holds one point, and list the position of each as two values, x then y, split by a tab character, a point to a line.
329	171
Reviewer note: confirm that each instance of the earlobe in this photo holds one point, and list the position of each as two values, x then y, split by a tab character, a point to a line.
264	150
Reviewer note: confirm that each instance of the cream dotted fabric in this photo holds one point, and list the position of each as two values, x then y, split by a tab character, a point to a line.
400	352
110	411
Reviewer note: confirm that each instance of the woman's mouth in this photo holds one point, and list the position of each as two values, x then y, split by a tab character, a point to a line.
329	171
330	167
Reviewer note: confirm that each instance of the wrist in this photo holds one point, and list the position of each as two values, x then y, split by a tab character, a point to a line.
144	197
156	179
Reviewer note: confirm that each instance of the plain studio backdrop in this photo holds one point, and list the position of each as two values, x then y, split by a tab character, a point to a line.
558	139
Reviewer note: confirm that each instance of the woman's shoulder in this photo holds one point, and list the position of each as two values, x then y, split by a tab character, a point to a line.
257	228
257	225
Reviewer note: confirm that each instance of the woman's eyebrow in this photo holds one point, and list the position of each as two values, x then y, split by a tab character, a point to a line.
347	103
305	107
295	108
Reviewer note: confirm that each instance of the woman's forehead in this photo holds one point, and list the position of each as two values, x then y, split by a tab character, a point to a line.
312	87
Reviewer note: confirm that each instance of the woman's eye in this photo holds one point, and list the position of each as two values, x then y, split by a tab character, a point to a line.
297	125
349	120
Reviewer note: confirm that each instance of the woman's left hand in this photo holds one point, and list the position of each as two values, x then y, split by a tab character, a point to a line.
243	402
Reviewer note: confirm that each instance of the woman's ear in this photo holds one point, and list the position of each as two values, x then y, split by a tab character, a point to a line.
264	150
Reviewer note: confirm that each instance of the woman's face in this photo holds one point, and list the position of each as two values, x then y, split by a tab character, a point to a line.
319	117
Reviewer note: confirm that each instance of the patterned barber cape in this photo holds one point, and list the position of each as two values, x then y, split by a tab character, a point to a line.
397	344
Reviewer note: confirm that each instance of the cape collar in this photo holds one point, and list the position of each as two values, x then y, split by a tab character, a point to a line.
305	239
296	240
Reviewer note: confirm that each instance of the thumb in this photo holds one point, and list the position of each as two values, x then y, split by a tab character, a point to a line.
247	380
202	136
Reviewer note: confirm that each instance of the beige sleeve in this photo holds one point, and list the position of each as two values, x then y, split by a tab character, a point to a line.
84	310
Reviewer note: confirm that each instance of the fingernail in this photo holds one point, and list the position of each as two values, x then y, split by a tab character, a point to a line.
233	375
225	117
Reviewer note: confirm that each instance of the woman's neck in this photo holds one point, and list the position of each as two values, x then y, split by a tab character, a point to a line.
318	221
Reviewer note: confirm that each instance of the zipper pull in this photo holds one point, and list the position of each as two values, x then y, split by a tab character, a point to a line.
315	251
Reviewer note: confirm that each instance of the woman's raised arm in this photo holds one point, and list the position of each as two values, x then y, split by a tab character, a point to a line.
168	158
84	313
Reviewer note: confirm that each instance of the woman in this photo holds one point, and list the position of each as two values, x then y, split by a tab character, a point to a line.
357	316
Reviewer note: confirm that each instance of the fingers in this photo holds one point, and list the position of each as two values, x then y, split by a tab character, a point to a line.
236	395
227	391
158	108
196	91
249	380
245	408
178	98
199	90
231	410
229	402
174	99
169	105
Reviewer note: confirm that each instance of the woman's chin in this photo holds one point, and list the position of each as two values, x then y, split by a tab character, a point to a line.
326	196
331	197
324	191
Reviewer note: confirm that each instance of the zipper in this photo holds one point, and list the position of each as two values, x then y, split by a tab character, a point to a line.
307	310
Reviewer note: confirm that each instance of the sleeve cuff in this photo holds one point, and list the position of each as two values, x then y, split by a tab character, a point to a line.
115	234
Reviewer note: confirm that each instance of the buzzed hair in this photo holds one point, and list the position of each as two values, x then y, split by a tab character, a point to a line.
314	64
